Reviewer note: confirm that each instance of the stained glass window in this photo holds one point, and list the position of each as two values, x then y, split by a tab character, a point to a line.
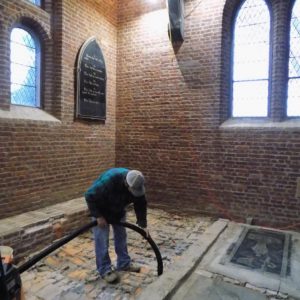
293	103
36	2
25	68
251	60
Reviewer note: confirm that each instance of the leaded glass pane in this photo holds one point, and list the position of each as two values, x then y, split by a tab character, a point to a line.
27	60
22	37
26	75
36	2
252	99
293	103
24	70
251	60
23	95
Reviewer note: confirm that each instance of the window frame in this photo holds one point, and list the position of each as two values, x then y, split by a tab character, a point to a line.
38	65
231	81
288	60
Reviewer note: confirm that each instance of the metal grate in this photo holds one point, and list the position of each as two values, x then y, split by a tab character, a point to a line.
24	66
293	103
251	60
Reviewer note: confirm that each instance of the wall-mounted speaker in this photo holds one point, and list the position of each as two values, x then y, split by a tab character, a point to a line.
176	20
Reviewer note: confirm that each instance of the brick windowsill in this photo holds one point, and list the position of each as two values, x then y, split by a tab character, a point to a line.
259	123
27	113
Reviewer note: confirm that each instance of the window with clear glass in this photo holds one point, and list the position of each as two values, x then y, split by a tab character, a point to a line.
293	102
251	46
25	68
36	2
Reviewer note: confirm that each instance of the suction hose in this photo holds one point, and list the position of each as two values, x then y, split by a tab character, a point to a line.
28	264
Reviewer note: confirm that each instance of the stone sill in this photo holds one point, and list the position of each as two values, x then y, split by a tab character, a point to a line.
259	123
41	216
27	113
30	231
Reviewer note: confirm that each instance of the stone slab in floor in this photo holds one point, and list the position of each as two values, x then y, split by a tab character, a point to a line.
216	262
199	287
263	250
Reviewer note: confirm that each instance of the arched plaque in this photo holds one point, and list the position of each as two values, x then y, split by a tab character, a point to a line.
91	82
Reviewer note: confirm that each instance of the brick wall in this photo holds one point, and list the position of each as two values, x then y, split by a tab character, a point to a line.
46	162
172	103
165	110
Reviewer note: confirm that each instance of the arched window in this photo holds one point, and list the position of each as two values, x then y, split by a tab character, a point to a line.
293	103
25	64
251	46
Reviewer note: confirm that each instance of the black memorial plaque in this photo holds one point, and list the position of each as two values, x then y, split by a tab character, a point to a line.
91	82
263	250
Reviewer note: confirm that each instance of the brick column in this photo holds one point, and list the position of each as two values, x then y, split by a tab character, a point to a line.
279	58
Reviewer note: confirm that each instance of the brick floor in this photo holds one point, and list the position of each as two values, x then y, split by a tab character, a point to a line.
69	273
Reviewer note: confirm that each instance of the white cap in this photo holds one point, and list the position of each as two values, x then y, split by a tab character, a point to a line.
135	181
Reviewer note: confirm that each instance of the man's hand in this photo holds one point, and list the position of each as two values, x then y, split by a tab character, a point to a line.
101	222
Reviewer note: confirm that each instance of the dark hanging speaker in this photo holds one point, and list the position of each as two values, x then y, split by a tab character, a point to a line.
176	20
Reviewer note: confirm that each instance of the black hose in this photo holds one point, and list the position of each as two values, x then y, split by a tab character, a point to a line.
142	232
28	264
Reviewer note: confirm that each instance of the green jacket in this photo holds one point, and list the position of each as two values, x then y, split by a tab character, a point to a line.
108	197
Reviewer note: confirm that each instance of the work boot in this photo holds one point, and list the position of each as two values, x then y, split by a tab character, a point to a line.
132	268
111	277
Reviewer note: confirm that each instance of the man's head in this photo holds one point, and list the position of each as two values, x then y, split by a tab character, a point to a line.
135	183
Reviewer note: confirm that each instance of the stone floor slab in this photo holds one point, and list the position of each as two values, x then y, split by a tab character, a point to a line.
169	281
216	262
199	287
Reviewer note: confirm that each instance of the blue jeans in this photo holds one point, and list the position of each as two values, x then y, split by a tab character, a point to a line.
101	236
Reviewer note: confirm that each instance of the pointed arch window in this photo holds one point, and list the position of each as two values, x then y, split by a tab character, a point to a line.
25	64
250	70
293	102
